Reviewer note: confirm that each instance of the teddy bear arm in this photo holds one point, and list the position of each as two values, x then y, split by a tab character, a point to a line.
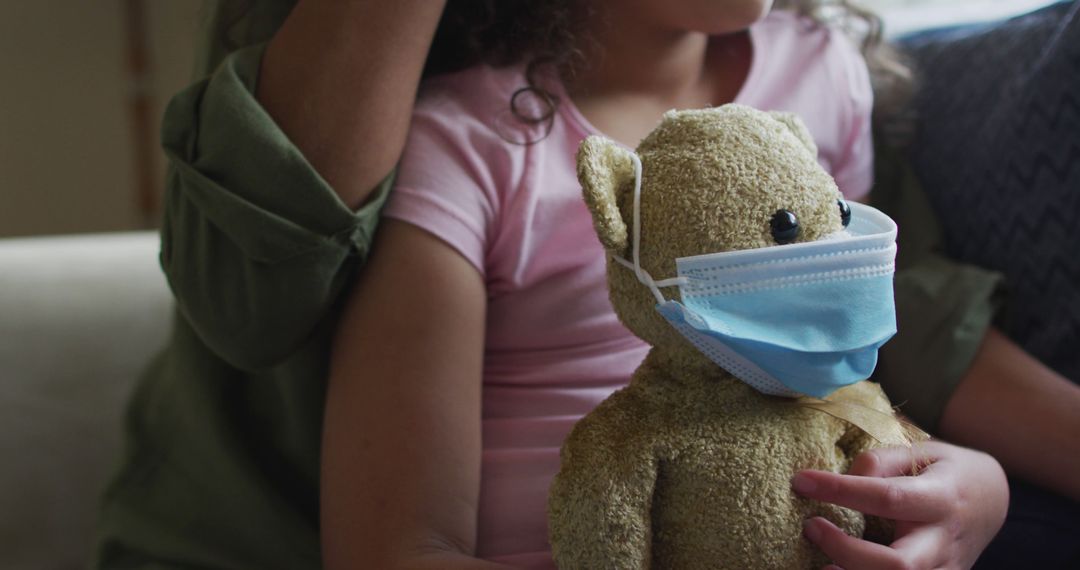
600	507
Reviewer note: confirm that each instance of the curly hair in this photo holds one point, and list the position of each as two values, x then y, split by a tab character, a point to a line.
549	32
535	33
891	73
540	32
500	33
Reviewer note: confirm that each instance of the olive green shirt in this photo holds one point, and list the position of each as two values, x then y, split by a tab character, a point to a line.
943	308
221	466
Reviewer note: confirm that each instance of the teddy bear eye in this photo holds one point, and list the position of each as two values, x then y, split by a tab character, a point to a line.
785	227
845	212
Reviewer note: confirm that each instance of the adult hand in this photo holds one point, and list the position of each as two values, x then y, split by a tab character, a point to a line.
945	516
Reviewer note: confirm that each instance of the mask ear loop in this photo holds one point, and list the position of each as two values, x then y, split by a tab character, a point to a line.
642	275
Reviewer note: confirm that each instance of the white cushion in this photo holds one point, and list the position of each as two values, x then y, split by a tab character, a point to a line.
80	317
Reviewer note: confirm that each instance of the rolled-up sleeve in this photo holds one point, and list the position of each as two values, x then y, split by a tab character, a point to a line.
944	308
256	246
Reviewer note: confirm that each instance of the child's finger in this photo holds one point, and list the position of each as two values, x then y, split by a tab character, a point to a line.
896	460
915	499
848	551
887	462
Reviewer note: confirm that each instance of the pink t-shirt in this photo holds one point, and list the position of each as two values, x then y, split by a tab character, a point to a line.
554	348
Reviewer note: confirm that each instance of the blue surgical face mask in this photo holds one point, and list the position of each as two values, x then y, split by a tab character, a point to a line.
789	320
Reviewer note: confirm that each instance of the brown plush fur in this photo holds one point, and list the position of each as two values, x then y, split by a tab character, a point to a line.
689	467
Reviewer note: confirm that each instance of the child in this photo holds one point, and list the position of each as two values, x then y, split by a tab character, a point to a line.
481	331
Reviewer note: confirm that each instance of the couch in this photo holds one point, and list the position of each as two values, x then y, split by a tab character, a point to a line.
80	317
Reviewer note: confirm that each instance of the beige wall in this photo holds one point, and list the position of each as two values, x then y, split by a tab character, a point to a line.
66	150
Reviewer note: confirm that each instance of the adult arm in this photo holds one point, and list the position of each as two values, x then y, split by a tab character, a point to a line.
1024	414
257	243
401	443
340	78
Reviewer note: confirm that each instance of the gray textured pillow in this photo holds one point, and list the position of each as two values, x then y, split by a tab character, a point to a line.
998	152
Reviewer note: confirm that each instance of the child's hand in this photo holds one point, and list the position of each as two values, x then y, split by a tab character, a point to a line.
944	517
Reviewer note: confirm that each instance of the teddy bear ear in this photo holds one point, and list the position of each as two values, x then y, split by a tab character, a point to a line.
605	170
797	128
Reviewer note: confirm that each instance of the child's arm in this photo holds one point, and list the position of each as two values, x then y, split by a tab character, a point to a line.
401	445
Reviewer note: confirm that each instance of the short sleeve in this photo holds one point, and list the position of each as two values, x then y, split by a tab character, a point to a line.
453	175
854	169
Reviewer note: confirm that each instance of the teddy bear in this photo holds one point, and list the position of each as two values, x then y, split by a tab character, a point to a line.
689	466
